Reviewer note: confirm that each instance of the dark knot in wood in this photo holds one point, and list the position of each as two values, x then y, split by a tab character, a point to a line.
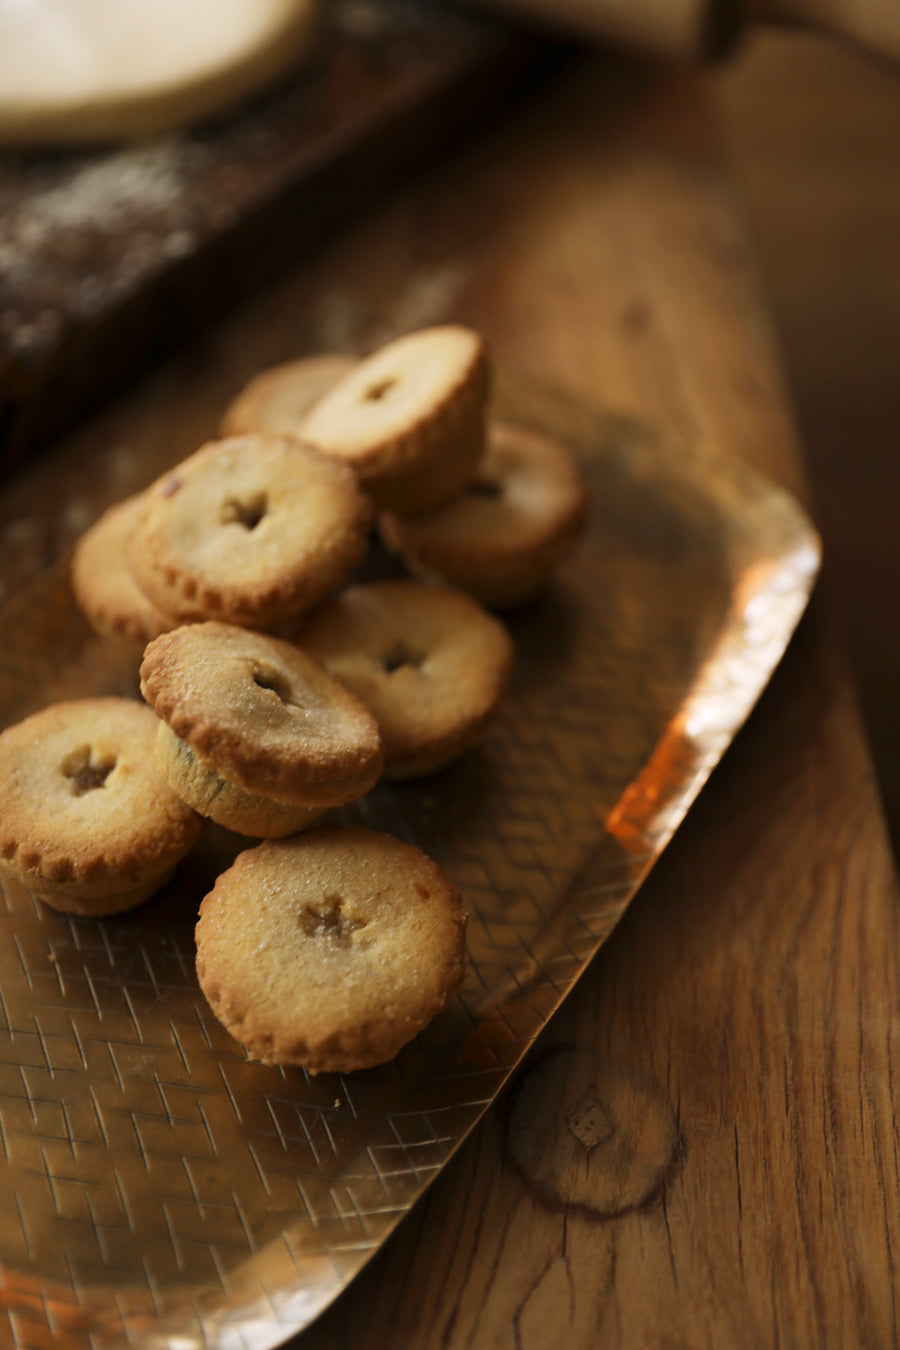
597	1138
590	1122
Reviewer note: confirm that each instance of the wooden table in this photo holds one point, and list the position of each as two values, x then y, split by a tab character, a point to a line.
741	1023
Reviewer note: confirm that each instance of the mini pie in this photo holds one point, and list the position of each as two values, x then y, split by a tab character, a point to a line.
87	820
330	950
107	594
409	418
277	400
429	661
251	530
254	733
503	536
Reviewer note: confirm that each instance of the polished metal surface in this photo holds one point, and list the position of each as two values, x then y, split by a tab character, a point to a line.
156	1187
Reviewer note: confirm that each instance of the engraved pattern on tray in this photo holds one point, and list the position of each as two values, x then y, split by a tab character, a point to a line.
154	1183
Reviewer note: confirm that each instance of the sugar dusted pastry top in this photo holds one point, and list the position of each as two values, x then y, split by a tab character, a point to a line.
502	536
429	661
82	799
262	713
331	949
409	418
251	530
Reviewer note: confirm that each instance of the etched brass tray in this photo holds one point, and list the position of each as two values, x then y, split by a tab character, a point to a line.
156	1187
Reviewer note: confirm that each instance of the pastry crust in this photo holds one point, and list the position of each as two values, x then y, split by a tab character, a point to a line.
330	950
409	418
277	400
263	715
502	538
87	820
227	804
107	594
251	530
429	661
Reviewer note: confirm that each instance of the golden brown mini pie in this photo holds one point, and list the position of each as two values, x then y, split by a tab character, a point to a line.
277	400
429	661
107	594
251	530
87	820
409	418
330	950
256	734
504	535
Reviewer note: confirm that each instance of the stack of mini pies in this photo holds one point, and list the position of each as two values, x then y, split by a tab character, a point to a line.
281	688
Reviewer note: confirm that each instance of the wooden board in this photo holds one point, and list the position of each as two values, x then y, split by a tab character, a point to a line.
109	258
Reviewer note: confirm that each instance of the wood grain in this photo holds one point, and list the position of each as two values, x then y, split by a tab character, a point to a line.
812	130
702	1150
